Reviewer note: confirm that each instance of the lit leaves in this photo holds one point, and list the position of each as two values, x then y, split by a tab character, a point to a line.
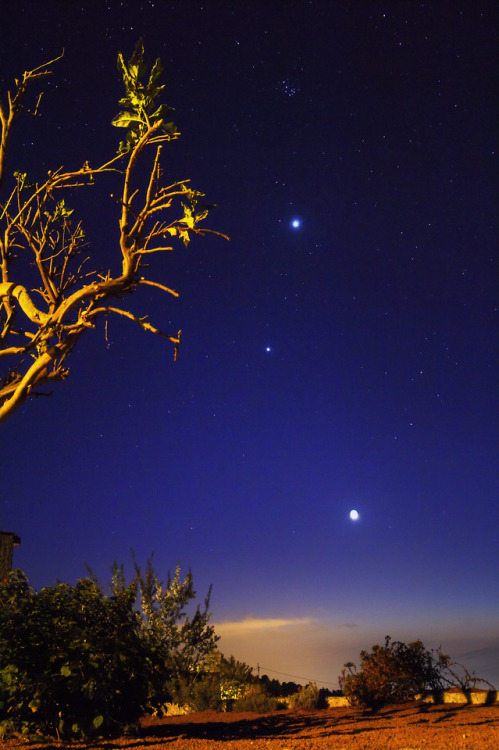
60	212
22	180
191	218
140	110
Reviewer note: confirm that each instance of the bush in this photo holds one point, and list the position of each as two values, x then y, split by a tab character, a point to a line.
307	697
393	673
71	659
177	644
75	662
258	702
201	694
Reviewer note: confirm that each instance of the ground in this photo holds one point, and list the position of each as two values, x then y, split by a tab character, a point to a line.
414	727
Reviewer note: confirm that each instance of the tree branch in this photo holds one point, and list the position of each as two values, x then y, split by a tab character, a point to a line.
38	233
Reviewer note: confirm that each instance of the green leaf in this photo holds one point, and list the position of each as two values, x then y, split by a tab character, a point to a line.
138	53
121	66
156	73
97	722
125	119
153	92
188	218
184	236
162	111
137	100
66	671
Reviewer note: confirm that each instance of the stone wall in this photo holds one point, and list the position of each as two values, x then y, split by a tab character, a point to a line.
455	695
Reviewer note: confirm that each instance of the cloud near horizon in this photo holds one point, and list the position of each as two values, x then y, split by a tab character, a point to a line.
296	647
255	624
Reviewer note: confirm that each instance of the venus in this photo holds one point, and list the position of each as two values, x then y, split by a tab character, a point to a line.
354	515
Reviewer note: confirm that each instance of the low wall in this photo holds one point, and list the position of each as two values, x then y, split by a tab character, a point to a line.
455	695
335	701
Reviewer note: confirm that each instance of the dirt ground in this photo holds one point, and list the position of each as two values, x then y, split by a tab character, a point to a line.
414	727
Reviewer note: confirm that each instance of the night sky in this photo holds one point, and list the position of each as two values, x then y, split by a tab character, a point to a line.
339	353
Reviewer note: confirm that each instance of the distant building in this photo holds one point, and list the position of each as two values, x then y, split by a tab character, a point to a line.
8	541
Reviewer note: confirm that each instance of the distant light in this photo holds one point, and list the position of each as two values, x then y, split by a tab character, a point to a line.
296	223
268	349
354	515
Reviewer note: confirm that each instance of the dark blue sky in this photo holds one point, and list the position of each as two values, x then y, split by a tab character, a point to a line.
350	362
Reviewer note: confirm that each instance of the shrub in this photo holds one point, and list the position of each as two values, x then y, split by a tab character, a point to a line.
177	644
257	701
200	694
71	659
392	673
307	697
76	662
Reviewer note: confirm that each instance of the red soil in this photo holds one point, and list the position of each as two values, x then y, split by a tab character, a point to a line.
408	727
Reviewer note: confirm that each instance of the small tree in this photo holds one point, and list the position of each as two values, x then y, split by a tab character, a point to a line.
178	643
396	672
392	673
42	321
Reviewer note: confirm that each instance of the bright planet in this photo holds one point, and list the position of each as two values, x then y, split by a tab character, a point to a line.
354	515
296	223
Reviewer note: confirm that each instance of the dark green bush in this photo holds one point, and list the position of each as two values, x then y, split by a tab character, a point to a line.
76	662
72	661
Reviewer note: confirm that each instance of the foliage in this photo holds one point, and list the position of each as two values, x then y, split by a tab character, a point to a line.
42	317
393	673
199	694
257	701
71	659
178	644
75	661
236	678
307	697
218	683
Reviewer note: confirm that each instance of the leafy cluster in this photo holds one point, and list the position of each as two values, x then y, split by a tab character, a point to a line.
140	110
76	662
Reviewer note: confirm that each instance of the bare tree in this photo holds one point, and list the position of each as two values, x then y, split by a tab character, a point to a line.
41	321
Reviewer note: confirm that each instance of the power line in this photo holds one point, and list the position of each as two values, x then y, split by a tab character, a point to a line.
296	677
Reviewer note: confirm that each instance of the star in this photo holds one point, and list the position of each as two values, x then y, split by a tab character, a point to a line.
296	223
